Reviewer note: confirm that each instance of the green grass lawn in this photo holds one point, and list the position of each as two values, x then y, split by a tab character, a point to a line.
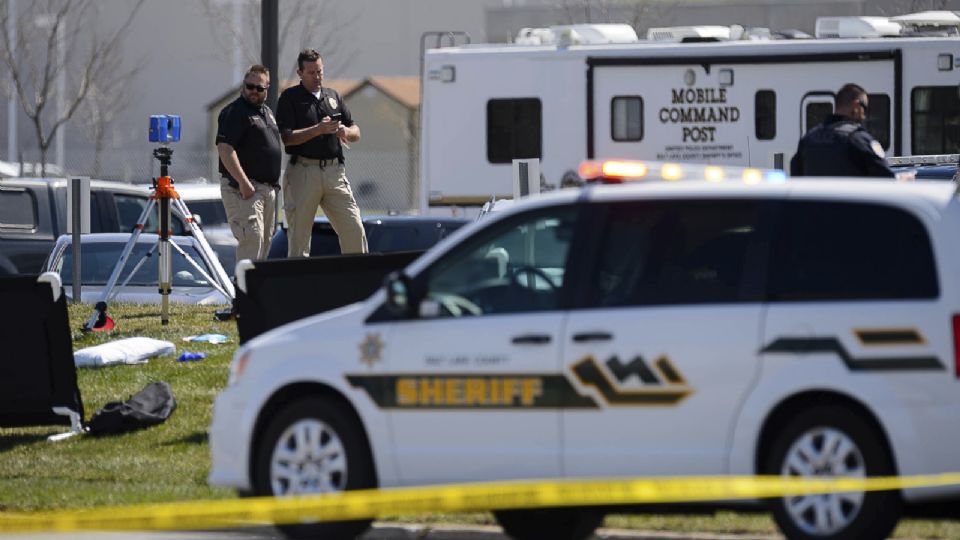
170	462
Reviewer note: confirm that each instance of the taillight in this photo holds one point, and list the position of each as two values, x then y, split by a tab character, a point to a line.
956	346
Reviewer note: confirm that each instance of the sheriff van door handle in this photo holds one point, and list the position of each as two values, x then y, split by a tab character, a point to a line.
592	336
532	339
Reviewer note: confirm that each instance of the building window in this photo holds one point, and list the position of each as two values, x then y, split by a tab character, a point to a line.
626	118
935	120
514	129
765	114
878	118
18	209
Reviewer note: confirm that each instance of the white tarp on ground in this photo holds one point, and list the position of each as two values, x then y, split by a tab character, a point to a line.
135	350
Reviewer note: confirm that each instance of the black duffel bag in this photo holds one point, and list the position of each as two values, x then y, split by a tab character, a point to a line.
148	407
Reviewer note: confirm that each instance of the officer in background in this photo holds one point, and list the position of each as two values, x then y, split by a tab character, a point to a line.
315	125
248	143
840	146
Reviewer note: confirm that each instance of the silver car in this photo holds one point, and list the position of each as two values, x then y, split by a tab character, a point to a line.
192	283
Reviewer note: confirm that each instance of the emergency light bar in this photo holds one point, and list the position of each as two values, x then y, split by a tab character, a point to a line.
617	171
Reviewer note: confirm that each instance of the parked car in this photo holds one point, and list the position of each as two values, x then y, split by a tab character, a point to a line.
753	325
33	213
385	234
203	199
101	252
941	167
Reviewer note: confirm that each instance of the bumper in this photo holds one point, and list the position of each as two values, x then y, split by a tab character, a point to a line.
230	442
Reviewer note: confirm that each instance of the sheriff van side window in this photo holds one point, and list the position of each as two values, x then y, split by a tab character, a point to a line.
850	251
935	120
18	209
514	129
765	114
626	118
878	118
674	252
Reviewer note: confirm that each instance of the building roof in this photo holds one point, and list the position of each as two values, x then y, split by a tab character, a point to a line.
403	90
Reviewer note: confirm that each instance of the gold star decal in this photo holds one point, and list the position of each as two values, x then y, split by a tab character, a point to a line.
370	349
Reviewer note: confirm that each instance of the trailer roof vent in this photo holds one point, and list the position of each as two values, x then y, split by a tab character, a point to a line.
689	33
592	34
929	23
856	27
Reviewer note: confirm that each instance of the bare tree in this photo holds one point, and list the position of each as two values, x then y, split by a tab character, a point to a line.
313	23
109	95
37	57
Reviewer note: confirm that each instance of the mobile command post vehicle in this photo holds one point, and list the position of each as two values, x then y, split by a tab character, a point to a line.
738	324
729	102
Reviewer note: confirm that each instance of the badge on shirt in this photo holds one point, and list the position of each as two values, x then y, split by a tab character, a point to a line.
333	102
877	149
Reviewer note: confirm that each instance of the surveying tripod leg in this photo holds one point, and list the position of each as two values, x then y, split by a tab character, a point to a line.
199	269
206	251
166	267
101	306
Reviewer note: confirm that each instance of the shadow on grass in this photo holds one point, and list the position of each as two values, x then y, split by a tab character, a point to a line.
10	442
198	437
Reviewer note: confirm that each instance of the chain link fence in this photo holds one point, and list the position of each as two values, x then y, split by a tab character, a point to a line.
382	182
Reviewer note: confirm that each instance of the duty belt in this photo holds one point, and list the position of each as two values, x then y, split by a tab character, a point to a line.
320	162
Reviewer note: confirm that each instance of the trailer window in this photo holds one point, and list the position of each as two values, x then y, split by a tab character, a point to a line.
935	120
514	129
765	114
816	113
626	118
878	118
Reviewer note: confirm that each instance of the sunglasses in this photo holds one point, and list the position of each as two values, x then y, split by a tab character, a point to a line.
256	87
863	104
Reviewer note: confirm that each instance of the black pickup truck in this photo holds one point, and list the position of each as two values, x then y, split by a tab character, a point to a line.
33	213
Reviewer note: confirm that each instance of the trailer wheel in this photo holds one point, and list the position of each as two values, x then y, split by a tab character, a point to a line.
553	523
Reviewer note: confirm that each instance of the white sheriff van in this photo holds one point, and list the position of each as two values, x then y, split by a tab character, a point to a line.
739	323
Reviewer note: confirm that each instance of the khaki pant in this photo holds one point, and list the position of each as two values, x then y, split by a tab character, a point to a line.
251	220
307	186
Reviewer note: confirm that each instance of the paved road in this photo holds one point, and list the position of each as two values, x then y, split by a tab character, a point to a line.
379	532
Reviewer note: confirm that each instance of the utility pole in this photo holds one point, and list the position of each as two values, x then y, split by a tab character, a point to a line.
269	16
12	142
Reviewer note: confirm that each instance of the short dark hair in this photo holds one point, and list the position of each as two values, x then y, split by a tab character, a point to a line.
307	55
257	68
849	94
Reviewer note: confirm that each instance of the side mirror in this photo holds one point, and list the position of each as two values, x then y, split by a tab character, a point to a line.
397	287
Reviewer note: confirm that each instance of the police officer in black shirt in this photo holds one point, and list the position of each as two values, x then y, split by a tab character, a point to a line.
315	126
840	146
249	146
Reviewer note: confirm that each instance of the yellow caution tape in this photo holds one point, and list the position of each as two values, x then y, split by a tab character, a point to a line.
376	503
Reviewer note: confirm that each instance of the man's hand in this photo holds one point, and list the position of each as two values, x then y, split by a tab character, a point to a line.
328	126
246	189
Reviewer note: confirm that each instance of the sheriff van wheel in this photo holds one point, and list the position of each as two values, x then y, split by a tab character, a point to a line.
833	442
310	446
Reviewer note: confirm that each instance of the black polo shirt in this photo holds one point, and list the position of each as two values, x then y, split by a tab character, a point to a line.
251	131
298	109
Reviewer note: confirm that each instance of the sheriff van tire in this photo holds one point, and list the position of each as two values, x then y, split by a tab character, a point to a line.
311	446
830	442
